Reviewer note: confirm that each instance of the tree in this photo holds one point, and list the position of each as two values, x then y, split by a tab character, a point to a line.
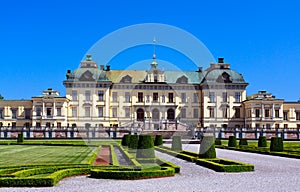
1	97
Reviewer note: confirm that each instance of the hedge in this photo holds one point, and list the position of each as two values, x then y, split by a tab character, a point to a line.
224	165
164	163
176	143
262	141
43	181
145	147
276	144
125	140
207	147
232	141
133	142
243	141
119	174
158	140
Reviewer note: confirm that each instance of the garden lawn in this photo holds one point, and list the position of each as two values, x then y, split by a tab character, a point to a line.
11	155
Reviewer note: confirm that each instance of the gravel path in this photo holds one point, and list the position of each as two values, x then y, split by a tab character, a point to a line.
271	174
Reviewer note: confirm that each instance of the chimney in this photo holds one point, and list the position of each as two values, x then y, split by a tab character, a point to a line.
220	60
107	67
101	67
199	69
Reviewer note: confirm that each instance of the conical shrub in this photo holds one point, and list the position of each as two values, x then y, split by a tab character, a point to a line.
207	147
262	141
176	143
232	141
158	140
145	147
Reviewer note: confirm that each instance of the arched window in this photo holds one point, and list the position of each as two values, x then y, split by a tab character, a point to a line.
155	115
171	114
140	114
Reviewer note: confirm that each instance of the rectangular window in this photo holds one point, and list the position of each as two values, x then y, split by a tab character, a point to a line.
58	125
38	125
58	111
211	97
147	98
87	111
238	97
14	113
267	113
100	95
140	97
1	113
27	113
74	111
100	111
38	111
276	113
285	115
257	113
127	97
211	112
237	113
257	125
115	97
155	97
196	115
196	97
74	95
183	113
163	99
49	112
249	114
297	115
268	126
171	99
276	126
114	112
285	126
183	97
224	96
87	95
127	112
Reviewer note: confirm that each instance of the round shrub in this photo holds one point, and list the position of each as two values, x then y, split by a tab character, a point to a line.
218	141
125	140
243	141
276	144
232	141
176	143
145	147
158	140
20	138
262	141
133	142
207	147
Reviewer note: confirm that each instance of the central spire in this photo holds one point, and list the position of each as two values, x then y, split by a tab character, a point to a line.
154	63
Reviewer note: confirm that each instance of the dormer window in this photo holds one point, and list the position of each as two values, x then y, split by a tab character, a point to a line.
224	78
183	80
126	79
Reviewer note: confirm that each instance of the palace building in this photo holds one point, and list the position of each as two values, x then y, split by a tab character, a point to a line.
151	99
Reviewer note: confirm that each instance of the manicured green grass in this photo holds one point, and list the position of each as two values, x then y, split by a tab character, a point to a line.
43	154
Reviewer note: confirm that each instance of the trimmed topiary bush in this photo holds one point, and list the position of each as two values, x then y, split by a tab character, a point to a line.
133	142
176	143
276	144
158	140
262	141
232	141
125	140
218	141
243	141
145	147
207	147
20	138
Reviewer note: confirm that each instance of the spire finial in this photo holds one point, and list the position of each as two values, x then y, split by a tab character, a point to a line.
154	64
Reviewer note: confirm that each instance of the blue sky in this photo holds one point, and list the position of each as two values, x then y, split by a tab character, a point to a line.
41	40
